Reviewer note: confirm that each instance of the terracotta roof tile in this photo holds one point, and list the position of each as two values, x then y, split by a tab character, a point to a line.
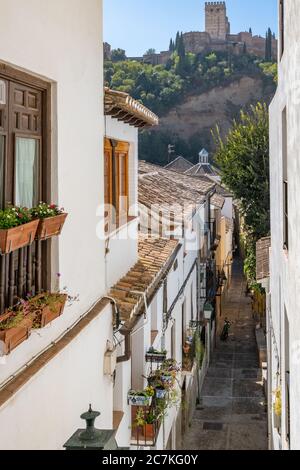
218	201
263	258
155	254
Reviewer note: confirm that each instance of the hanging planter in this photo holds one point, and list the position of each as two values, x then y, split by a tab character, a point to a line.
156	356
161	393
139	398
46	307
17	229
51	220
14	329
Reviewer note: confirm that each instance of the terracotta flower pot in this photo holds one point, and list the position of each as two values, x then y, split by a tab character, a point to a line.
49	313
14	238
12	337
51	226
149	430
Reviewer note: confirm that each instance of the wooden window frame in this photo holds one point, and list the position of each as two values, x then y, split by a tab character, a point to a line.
2	196
116	149
13	74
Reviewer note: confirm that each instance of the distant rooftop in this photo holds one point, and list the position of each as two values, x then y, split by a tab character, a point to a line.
180	164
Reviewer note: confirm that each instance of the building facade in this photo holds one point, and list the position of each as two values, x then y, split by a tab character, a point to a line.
283	319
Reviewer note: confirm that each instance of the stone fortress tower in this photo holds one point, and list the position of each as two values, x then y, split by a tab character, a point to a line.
216	37
216	20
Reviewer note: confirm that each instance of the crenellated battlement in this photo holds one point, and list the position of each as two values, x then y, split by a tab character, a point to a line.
216	21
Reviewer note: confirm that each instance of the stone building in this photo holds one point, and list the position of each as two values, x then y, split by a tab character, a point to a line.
216	20
217	37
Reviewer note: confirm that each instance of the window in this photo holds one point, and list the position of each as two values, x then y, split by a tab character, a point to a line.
281	27
2	158
24	177
285	181
27	164
116	180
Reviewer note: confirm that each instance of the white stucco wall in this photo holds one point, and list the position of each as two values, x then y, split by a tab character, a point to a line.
46	411
285	266
123	243
61	41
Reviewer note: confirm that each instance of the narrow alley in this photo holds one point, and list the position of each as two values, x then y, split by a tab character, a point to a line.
232	414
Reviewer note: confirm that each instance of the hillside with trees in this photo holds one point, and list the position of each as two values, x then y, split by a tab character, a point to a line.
166	89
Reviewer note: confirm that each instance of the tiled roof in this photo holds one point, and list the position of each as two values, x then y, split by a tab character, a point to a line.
263	258
180	164
156	257
202	169
200	185
123	107
155	189
218	201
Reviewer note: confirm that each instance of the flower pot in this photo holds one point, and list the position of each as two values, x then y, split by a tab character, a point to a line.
138	400
51	226
15	238
149	430
12	337
49	313
160	393
167	379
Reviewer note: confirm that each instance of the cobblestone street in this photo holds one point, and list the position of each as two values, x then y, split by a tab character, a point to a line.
232	414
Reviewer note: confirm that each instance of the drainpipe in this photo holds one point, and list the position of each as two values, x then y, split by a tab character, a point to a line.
126	332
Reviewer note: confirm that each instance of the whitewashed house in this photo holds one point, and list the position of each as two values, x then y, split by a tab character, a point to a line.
283	319
52	119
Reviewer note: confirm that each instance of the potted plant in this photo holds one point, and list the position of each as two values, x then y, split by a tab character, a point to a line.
17	229
143	398
51	220
172	366
46	307
150	424
153	355
15	327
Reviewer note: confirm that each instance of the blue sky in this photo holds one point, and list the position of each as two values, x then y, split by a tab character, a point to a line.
137	25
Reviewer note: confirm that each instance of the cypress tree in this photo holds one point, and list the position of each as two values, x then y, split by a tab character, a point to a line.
177	41
250	30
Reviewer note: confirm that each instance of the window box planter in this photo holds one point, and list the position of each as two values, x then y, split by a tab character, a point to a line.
15	238
136	399
156	356
51	226
13	337
47	313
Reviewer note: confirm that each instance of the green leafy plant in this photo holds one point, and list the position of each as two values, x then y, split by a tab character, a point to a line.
44	211
13	321
13	217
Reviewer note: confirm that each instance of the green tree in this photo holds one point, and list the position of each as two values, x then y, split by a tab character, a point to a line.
118	55
243	158
250	30
269	51
150	51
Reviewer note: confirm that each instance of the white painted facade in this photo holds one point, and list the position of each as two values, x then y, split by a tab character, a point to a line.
60	41
283	319
122	244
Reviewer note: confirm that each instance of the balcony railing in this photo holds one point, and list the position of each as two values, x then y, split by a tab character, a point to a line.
20	274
